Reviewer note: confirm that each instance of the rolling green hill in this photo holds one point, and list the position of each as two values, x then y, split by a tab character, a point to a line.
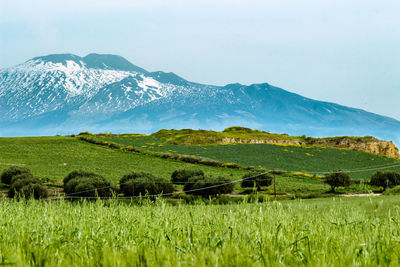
55	157
270	156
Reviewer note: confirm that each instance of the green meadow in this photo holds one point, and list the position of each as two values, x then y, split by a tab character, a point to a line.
282	157
54	157
324	232
286	230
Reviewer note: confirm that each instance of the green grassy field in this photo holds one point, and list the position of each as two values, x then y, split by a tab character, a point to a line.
327	232
361	231
55	157
289	158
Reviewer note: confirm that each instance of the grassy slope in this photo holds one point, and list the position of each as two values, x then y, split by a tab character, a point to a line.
54	157
290	158
196	137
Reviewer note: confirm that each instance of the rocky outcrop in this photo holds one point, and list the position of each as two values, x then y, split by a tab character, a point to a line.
374	146
370	145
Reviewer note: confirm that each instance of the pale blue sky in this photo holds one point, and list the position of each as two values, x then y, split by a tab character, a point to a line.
340	51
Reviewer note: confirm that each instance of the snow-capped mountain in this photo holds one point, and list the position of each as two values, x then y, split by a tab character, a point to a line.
67	94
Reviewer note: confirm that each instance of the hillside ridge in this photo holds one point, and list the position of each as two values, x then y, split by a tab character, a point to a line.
244	135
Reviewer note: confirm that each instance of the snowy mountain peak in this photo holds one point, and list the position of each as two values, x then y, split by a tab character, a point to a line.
58	58
100	92
110	62
91	61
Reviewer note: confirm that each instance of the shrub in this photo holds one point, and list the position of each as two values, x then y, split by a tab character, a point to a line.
8	174
256	179
385	179
78	173
182	176
393	191
87	184
208	186
135	184
337	179
22	176
27	186
37	191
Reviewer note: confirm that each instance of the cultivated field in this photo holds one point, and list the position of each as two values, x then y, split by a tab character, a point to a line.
54	157
243	228
330	232
283	157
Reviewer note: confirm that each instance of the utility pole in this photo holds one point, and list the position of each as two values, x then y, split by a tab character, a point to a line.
133	188
274	184
274	173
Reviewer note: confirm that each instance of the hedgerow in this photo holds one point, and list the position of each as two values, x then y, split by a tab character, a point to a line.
184	158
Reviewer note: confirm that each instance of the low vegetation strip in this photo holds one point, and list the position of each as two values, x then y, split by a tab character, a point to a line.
330	232
184	158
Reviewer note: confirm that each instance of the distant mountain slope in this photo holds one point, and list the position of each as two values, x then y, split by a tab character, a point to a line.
66	93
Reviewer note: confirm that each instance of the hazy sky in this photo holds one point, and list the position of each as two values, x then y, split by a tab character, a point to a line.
340	51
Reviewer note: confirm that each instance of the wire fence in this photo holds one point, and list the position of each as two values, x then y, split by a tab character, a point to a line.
217	183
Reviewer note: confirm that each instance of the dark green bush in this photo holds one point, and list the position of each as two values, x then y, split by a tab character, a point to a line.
385	179
87	184
208	186
337	179
182	176
27	186
135	184
37	191
22	176
256	179
79	173
8	174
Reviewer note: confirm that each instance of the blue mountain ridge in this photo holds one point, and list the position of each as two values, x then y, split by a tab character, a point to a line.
112	94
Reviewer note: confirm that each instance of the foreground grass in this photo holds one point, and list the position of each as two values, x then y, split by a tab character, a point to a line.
290	158
54	157
330	232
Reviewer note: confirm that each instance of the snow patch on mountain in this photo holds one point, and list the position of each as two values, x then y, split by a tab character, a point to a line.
106	92
38	86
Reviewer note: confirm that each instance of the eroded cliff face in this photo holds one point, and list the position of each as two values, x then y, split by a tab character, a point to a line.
373	146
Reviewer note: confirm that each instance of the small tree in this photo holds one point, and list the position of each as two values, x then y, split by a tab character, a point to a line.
182	176
78	173
135	184
22	176
256	179
9	173
208	186
385	179
337	179
87	184
27	186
